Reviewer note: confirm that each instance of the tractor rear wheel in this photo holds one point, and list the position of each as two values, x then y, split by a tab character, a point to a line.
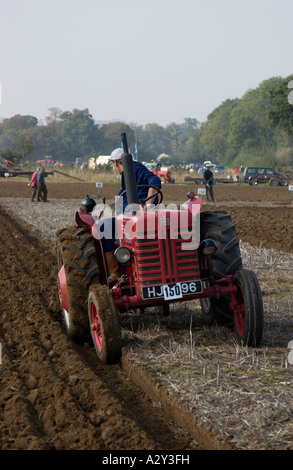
227	260
76	255
104	324
248	312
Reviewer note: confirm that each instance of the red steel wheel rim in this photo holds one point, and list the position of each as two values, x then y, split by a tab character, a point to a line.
240	313
96	327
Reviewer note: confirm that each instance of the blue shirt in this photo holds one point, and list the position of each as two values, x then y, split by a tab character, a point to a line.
142	176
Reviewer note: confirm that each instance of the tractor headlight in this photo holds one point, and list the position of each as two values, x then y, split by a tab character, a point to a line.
208	247
122	254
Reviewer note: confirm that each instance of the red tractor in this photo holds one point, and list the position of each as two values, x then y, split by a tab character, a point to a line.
156	269
163	173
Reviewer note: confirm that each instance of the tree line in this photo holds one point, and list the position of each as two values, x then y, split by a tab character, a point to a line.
256	129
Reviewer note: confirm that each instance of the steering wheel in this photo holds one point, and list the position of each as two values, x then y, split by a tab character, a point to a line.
158	192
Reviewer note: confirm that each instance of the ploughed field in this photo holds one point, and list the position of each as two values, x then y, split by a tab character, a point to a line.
180	385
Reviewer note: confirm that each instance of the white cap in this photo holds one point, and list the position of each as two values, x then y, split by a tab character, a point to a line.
117	154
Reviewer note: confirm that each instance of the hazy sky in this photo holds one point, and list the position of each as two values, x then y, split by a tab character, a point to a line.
140	61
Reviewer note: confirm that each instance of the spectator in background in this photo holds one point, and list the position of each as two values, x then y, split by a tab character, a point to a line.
208	180
42	188
34	184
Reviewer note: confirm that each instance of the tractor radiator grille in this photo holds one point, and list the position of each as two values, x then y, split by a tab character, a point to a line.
161	261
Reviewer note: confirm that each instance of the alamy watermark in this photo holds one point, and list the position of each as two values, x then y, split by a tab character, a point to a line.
170	223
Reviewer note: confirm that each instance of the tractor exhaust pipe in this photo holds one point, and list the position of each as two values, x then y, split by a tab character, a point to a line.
128	171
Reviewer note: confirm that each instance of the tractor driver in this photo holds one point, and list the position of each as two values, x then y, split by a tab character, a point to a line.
142	176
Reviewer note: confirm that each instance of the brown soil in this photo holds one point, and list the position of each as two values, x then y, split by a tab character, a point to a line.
56	395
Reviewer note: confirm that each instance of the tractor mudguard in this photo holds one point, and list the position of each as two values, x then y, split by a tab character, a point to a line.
84	218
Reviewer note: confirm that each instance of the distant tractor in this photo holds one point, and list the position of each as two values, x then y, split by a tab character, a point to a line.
157	267
162	172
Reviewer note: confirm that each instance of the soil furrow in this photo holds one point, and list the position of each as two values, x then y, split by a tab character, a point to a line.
54	394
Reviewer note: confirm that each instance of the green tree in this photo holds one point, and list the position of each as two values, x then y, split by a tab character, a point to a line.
281	114
53	116
154	142
249	126
18	123
8	139
193	152
138	133
190	125
25	144
78	134
174	131
47	142
110	137
215	131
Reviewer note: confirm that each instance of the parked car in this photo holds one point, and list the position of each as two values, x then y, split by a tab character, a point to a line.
219	169
259	174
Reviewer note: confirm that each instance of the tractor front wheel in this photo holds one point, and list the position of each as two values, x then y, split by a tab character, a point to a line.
248	309
104	324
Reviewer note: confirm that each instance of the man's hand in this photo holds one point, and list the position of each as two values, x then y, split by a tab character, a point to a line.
148	207
152	199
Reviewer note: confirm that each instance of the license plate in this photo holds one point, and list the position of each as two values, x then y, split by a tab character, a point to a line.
177	291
